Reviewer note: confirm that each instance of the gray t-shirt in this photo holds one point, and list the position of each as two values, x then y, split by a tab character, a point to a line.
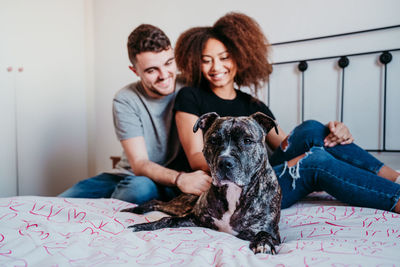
136	114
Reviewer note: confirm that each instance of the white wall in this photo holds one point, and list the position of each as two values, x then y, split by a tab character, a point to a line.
281	21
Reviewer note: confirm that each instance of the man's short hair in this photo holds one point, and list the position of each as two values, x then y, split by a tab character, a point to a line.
146	38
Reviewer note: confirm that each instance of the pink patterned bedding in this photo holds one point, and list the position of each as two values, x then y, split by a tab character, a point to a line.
49	231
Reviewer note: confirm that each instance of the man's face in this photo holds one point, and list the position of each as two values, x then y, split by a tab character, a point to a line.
157	71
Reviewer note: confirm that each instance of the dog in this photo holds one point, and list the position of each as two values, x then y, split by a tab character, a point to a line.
244	198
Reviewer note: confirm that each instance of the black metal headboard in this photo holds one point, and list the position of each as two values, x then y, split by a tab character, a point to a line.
385	57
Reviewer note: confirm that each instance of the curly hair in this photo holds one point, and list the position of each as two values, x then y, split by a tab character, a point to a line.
244	40
146	38
188	49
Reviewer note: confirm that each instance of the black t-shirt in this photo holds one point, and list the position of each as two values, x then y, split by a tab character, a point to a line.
198	101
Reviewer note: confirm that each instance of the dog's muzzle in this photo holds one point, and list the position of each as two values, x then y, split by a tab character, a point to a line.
225	167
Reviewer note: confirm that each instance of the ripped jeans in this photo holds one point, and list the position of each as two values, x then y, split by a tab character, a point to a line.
347	172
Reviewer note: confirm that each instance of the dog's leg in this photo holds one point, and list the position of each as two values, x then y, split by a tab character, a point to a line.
263	242
145	207
166	222
178	206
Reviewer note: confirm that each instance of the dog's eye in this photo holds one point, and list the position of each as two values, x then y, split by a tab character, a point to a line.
247	141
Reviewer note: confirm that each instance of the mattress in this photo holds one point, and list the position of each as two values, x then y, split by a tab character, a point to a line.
318	231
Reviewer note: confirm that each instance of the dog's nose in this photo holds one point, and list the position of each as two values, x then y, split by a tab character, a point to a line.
226	163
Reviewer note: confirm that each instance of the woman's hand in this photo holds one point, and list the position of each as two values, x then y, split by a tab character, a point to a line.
339	134
194	182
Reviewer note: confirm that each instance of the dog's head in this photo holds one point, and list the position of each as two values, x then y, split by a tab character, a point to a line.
235	147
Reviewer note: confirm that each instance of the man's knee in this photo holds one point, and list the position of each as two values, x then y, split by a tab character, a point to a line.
98	186
136	189
143	185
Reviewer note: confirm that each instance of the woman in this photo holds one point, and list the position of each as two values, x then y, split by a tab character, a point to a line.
313	157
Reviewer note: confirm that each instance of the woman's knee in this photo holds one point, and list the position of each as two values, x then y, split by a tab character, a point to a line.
318	156
309	131
311	125
304	168
305	136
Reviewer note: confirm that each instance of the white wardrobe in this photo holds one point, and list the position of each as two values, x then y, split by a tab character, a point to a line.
43	106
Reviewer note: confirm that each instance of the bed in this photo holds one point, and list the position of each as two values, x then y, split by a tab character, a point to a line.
318	231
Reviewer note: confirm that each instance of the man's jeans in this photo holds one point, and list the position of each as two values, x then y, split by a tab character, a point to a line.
347	172
134	189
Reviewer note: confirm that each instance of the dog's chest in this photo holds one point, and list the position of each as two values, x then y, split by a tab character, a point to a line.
232	196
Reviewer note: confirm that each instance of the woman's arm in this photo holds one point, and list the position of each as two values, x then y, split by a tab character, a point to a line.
192	143
274	140
339	134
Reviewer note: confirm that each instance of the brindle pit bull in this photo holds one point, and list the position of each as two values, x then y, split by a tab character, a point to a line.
244	198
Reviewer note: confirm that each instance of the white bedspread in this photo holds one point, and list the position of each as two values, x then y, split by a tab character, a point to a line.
46	231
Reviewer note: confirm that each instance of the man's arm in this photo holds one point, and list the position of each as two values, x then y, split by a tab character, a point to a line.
136	152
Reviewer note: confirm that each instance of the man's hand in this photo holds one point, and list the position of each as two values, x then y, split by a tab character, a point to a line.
339	134
194	182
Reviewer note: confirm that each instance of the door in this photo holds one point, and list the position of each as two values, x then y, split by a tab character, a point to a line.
8	146
46	45
8	131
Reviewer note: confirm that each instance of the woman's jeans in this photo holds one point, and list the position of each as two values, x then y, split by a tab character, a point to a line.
134	189
346	172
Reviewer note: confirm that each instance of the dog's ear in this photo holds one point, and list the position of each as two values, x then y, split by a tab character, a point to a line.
265	121
205	121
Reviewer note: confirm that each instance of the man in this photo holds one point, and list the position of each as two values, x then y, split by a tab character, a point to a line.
152	163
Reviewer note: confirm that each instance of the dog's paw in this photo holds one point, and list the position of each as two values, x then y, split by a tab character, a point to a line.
137	210
140	227
127	210
133	228
263	243
151	205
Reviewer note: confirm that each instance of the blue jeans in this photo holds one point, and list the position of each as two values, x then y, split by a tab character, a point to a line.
346	172
134	189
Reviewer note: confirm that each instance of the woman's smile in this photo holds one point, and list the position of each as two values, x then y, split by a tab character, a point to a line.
217	65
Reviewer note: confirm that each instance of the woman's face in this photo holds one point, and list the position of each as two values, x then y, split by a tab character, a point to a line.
217	65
